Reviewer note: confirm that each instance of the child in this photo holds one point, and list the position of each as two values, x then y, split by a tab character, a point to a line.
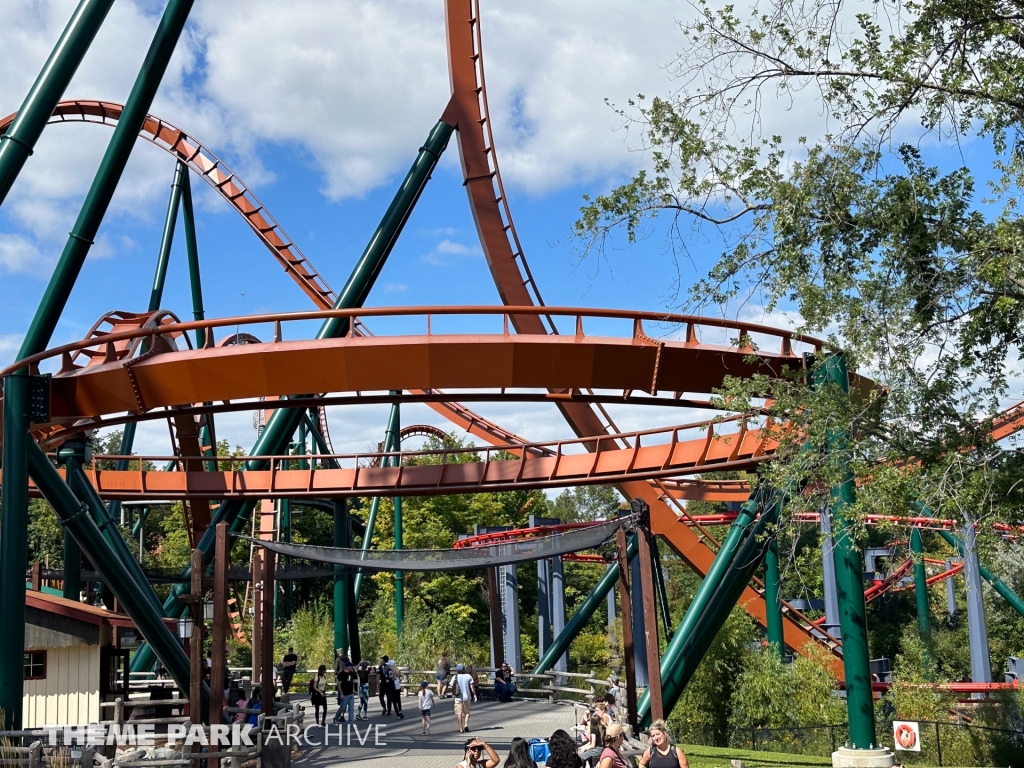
426	697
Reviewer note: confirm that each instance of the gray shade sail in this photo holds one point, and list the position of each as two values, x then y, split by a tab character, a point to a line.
463	559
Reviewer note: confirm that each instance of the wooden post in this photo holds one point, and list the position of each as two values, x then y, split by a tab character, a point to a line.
218	667
267	655
493	598
257	614
37	576
644	544
627	630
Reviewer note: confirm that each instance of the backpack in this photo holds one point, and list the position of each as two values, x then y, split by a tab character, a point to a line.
312	680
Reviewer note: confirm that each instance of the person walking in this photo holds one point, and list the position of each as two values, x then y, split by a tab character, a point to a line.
346	695
462	690
444	671
382	694
662	753
318	695
289	663
393	683
504	682
426	702
363	675
473	751
610	755
476	681
562	751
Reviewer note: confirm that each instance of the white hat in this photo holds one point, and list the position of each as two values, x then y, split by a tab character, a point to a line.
391	663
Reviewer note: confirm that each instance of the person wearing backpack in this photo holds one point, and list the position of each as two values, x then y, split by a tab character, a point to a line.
393	686
662	753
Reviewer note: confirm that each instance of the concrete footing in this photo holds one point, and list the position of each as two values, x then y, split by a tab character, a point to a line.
863	758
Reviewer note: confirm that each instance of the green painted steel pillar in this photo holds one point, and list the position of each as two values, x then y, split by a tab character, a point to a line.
188	219
773	599
14	546
341	585
921	591
18	142
107	177
849	577
84	490
395	428
156	294
745	563
275	436
594	600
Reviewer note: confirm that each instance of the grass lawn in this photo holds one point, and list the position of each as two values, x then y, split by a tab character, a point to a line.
719	757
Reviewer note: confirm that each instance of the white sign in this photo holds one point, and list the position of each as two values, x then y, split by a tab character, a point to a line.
907	736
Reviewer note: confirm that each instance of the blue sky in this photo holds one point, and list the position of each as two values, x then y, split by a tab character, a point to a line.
321	108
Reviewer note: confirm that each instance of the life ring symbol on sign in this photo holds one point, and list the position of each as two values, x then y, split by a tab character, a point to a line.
906	736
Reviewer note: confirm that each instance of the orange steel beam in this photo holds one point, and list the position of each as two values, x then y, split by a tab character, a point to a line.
497	471
400	362
513	280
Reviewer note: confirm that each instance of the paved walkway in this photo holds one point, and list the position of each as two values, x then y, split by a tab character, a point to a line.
400	742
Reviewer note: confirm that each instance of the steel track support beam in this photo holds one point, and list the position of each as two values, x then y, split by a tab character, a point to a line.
860	704
594	600
281	425
18	142
107	177
773	598
84	490
341	587
156	293
744	564
74	516
188	219
921	595
14	546
391	443
395	433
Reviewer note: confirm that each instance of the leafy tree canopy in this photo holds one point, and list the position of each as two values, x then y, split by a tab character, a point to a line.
872	233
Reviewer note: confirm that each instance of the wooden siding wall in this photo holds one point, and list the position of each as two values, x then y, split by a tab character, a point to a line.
70	694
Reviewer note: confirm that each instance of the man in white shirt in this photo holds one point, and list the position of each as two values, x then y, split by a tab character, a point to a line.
462	687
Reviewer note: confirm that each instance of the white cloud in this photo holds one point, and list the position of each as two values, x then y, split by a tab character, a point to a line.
447	253
19	254
9	344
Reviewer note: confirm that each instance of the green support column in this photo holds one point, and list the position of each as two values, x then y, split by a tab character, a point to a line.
773	598
341	586
73	452
745	562
594	600
274	438
921	593
109	174
156	294
391	437
188	219
860	703
14	546
51	82
395	429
